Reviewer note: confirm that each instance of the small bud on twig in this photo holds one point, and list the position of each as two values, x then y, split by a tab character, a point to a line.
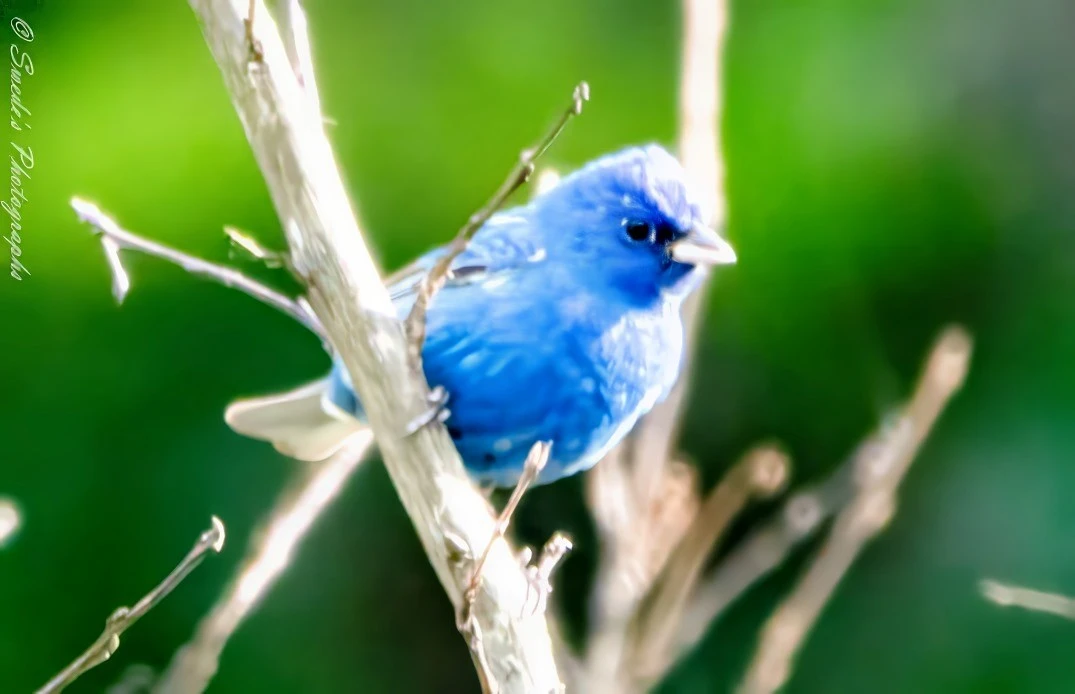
212	540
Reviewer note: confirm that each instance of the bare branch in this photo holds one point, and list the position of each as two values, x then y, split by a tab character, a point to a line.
125	617
610	497
196	663
705	24
465	621
540	574
1007	595
762	472
762	551
115	239
627	568
532	467
441	270
880	472
452	519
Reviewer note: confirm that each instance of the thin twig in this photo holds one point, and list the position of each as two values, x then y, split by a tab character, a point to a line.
610	497
878	477
441	270
532	467
269	554
615	587
763	471
1007	595
540	573
761	551
700	100
465	621
115	239
123	618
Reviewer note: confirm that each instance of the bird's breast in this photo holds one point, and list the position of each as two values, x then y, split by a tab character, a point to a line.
634	359
641	354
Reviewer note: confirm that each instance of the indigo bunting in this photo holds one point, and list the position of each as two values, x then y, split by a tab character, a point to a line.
560	322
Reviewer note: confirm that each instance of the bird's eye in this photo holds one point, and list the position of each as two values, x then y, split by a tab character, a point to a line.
638	231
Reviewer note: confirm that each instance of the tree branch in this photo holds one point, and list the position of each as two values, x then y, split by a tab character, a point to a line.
761	551
453	521
123	618
115	239
878	475
705	24
762	472
195	664
1006	595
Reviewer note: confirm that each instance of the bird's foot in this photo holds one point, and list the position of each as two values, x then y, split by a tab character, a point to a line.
438	411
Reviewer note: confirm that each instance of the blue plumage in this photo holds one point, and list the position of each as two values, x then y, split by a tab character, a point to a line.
562	319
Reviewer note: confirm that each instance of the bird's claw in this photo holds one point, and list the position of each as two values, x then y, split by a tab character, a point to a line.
437	399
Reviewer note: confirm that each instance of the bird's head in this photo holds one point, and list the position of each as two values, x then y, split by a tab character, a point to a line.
632	222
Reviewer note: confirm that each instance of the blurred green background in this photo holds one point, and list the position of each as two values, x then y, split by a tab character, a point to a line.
892	166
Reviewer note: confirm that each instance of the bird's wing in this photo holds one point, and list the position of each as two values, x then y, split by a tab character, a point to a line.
501	245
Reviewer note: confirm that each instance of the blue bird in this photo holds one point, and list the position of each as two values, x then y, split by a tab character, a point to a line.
560	322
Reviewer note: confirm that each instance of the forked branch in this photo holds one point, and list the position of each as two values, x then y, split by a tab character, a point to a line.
762	472
880	470
115	239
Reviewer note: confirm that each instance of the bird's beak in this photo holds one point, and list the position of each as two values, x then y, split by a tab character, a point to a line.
702	246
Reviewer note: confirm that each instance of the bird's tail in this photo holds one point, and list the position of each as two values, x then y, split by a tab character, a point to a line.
300	423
